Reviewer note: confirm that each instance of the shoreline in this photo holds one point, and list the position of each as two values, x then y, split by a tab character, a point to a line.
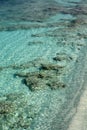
79	120
69	108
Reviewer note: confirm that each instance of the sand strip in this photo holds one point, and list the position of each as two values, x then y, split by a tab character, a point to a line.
79	121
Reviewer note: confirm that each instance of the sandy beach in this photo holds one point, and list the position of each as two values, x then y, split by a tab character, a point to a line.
79	121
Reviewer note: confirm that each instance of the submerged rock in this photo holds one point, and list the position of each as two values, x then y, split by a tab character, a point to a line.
35	42
56	84
39	79
16	112
76	22
36	81
60	57
32	83
38	74
50	66
6	107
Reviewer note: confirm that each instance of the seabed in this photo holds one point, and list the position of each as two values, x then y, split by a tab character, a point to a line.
43	57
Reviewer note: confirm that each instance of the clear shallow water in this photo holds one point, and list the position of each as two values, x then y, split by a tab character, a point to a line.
35	33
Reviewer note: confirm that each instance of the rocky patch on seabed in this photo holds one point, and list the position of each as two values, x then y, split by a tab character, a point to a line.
15	112
46	76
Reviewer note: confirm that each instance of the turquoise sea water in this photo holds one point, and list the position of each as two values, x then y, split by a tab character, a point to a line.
42	62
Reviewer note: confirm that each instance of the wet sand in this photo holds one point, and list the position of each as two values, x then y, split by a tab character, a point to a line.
79	121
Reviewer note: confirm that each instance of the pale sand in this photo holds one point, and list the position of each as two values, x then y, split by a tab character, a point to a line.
79	121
